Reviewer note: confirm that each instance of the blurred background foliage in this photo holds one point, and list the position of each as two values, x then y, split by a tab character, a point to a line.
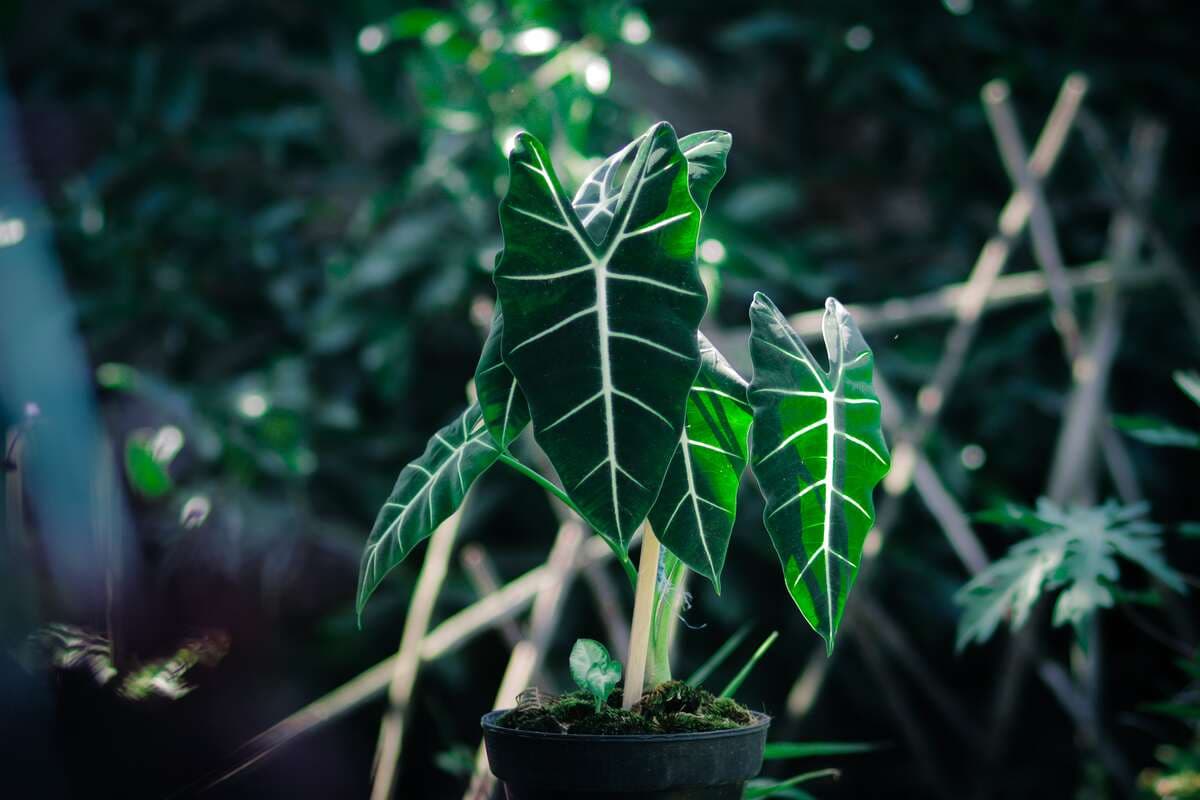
277	221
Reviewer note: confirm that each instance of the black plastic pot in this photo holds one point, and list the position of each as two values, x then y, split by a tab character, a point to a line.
678	766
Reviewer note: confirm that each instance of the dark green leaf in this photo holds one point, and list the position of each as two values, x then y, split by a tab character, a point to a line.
505	409
504	406
596	200
694	513
817	449
428	491
602	335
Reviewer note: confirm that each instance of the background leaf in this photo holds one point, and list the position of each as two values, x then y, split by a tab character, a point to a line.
1077	552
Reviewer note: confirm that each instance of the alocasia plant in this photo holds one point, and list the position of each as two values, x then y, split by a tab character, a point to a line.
595	340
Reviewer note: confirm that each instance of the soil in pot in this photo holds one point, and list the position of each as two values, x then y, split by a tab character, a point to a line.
677	743
673	707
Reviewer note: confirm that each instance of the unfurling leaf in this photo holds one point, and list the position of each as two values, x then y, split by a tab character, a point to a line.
601	334
817	449
428	491
594	671
694	513
1077	552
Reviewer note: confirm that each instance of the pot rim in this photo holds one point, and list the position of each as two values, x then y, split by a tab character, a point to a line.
490	720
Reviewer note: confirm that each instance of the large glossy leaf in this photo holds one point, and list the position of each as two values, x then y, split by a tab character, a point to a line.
428	491
504	406
817	450
694	513
601	335
505	409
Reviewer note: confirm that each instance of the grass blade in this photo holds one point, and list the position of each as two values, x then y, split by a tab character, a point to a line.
738	679
784	750
753	792
718	658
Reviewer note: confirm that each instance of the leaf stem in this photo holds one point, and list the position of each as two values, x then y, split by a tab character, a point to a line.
545	483
537	478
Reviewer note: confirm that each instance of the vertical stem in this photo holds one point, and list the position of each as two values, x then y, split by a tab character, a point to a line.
643	612
668	606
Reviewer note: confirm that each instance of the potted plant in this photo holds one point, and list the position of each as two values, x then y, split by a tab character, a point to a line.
595	342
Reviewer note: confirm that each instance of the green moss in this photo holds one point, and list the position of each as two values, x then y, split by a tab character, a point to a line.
571	708
673	707
532	719
613	722
728	709
683	722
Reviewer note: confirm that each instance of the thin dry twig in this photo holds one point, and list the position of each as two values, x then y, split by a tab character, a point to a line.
1007	291
408	658
367	686
527	656
989	265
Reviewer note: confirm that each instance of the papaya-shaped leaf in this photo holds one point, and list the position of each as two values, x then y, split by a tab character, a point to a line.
602	335
504	406
1074	549
693	515
428	491
505	409
597	198
818	451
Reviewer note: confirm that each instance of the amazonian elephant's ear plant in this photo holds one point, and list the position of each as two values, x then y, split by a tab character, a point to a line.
596	343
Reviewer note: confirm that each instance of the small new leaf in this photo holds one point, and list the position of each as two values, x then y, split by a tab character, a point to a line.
593	670
1076	553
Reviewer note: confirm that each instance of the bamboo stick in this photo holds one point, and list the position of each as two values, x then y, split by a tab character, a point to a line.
527	656
643	613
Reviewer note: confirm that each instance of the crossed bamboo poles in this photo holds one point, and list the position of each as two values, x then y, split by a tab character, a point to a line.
1089	353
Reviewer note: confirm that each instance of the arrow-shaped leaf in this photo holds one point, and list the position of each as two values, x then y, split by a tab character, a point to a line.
428	491
693	515
505	409
817	450
504	406
602	335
